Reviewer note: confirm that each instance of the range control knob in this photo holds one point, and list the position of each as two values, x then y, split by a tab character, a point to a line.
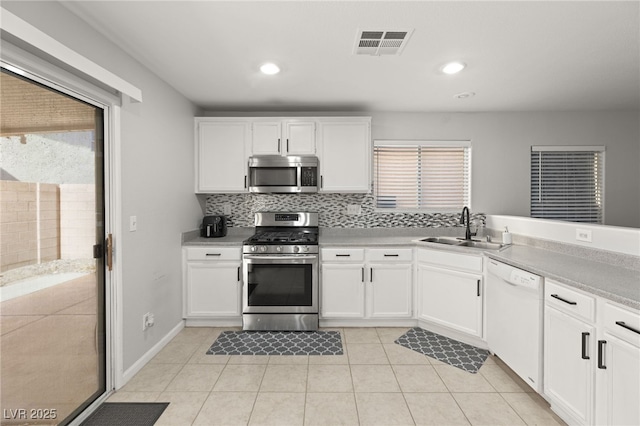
296	249
279	248
263	248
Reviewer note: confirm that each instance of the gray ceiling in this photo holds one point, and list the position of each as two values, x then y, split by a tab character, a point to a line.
521	56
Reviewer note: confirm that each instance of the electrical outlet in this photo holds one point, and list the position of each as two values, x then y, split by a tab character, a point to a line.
583	235
354	209
226	209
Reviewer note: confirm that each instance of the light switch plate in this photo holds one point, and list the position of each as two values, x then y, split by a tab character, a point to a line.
133	223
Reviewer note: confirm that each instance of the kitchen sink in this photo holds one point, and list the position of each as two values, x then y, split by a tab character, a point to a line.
484	245
442	240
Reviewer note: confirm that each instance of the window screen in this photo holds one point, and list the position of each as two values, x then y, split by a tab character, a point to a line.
419	175
567	183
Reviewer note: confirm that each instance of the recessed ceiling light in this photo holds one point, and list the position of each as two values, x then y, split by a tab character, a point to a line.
464	95
270	68
453	67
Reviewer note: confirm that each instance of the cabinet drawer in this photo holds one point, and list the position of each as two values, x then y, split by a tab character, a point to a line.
570	301
213	253
342	255
445	259
622	323
390	255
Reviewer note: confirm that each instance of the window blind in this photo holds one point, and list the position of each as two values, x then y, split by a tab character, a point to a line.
421	177
567	183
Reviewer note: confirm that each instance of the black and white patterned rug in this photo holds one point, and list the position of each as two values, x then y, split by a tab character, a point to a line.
462	355
277	343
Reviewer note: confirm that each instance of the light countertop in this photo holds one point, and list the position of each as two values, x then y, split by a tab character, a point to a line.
616	283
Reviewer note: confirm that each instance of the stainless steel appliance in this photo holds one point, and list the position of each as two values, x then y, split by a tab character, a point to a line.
280	271
214	226
280	174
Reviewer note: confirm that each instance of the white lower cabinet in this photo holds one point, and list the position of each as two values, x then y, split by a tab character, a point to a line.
568	365
366	283
591	358
212	283
618	369
450	290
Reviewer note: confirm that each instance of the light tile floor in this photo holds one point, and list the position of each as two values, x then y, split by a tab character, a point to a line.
376	382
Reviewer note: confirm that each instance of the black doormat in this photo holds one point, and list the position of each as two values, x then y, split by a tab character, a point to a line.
126	414
462	355
277	343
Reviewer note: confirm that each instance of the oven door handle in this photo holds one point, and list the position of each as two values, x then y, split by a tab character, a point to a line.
276	257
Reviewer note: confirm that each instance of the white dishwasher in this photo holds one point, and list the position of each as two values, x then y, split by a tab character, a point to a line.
514	303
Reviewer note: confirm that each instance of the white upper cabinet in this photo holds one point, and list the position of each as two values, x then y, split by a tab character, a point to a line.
220	155
223	147
344	150
283	137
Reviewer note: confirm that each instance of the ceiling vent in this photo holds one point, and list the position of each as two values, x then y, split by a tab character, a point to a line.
377	43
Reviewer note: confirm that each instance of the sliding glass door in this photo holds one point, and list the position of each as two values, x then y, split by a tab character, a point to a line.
52	294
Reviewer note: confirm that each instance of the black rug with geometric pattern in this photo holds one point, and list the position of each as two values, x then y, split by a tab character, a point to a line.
462	355
277	343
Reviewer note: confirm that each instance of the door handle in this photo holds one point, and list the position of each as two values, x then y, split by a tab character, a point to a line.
624	325
110	252
585	337
555	296
601	344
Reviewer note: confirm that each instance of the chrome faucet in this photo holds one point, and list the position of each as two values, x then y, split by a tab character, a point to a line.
467	233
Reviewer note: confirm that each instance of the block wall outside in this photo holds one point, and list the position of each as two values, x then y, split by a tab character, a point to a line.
77	221
29	223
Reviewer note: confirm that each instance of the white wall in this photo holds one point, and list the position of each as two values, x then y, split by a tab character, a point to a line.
157	178
501	145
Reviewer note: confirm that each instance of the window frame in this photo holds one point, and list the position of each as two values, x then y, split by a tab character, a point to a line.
425	143
599	149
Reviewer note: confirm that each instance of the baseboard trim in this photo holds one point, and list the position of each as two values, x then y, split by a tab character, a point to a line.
144	359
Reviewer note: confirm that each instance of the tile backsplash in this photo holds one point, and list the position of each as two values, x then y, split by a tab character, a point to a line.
332	209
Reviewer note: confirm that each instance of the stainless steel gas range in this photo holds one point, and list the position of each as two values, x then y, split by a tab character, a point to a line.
280	270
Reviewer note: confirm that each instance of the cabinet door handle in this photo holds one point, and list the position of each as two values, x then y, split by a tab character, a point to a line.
585	337
391	255
371	274
278	144
363	274
628	327
601	344
287	145
555	296
321	181
245	181
213	254
238	274
478	292
343	255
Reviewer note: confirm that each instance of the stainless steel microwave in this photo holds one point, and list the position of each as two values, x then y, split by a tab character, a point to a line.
283	174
